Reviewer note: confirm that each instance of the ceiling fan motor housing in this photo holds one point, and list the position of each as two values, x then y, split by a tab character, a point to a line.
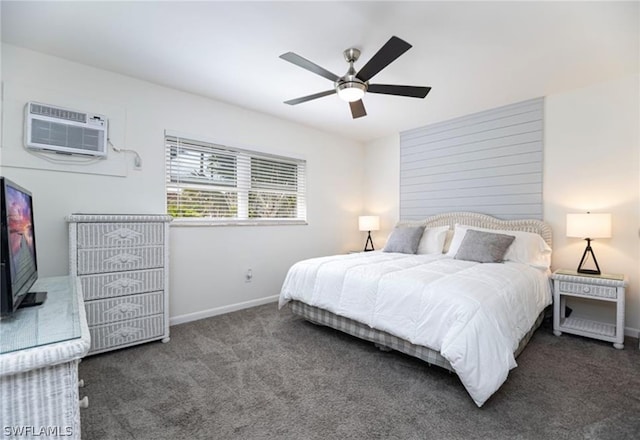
349	87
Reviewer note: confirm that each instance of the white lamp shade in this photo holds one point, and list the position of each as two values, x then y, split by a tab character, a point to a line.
589	225
368	222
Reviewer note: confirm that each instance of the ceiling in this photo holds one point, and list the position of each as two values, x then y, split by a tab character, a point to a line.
474	55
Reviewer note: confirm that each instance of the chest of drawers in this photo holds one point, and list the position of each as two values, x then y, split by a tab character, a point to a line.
122	264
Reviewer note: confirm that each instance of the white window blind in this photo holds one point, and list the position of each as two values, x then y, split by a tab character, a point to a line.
211	182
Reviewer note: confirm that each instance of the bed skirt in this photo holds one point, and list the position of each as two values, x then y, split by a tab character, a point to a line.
384	339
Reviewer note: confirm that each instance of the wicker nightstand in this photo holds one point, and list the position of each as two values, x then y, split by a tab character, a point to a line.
605	287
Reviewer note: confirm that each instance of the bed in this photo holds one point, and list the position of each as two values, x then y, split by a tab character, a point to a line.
439	303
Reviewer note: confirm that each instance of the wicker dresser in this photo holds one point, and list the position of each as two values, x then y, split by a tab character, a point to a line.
122	263
40	348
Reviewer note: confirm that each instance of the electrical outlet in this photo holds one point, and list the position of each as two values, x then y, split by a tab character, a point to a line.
248	277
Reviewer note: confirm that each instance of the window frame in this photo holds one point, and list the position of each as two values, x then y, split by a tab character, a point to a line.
243	183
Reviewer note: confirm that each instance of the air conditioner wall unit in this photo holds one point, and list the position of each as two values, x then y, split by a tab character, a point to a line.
65	131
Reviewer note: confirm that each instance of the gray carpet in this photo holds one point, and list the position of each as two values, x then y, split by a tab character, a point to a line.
265	374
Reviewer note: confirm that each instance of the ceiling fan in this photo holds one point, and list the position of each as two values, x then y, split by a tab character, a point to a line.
353	85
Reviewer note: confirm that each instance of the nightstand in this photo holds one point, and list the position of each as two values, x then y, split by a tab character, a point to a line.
606	288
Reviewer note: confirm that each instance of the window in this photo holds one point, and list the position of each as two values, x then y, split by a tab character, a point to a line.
215	183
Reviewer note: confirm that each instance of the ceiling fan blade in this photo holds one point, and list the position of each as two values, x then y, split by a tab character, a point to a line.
310	66
390	89
385	56
310	97
357	109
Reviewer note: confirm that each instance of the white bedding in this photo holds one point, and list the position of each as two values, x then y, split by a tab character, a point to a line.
474	314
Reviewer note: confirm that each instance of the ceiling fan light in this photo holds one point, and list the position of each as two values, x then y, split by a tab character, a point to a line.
351	91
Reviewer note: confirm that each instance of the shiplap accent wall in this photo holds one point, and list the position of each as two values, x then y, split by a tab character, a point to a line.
488	162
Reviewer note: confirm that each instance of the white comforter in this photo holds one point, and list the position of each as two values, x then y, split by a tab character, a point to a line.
473	314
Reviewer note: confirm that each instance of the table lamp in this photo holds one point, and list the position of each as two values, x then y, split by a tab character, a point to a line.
589	226
368	223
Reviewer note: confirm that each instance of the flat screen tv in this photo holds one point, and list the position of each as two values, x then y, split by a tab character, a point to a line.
17	249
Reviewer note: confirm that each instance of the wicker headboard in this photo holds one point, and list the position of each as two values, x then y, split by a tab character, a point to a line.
485	221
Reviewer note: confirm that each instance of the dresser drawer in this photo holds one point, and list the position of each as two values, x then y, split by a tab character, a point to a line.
114	260
109	310
103	235
110	336
587	289
111	285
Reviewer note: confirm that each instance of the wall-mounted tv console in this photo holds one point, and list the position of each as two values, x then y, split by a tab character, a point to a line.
40	348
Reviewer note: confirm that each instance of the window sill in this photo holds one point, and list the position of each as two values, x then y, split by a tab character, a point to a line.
182	222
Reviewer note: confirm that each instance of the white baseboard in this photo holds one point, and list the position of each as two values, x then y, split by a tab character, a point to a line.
633	332
181	319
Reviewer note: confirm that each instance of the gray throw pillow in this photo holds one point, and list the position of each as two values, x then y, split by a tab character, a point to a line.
484	247
404	240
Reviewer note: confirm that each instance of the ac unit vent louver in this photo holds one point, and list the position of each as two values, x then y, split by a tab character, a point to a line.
61	130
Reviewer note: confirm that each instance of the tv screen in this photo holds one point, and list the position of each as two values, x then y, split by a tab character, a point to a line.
19	264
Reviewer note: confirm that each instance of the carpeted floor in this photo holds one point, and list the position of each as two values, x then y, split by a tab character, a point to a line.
261	373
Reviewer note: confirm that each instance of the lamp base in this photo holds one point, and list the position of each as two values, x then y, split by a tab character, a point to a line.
369	241
588	251
589	271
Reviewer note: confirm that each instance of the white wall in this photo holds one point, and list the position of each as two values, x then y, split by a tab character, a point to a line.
382	191
207	263
591	162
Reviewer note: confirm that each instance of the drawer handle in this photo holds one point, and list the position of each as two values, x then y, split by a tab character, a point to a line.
129	308
123	310
123	259
586	289
84	402
123	283
125	333
123	234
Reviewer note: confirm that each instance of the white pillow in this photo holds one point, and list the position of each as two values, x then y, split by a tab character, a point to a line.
447	240
527	248
432	241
